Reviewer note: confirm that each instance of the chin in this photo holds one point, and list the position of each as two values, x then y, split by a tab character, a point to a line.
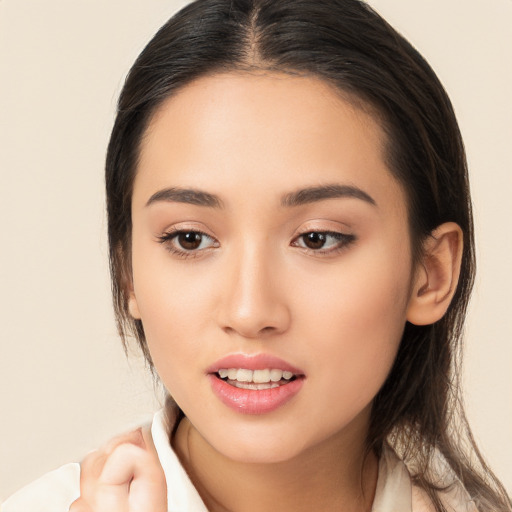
254	454
257	446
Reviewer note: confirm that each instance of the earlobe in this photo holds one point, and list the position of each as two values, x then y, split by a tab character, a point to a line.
133	307
437	275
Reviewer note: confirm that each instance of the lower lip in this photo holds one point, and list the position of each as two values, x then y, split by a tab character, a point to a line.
254	401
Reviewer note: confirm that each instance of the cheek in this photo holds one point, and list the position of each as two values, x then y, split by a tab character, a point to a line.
173	311
358	323
177	301
171	305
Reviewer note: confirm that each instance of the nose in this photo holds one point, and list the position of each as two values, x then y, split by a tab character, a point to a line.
253	303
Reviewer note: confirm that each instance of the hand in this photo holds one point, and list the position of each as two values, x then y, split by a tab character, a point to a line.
125	476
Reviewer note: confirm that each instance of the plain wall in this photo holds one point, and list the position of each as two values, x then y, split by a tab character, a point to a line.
65	384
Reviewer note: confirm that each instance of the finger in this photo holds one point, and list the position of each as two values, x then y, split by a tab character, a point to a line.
134	437
124	476
90	471
80	505
96	496
134	474
92	466
150	492
125	463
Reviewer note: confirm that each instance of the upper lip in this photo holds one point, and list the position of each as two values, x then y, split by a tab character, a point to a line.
253	362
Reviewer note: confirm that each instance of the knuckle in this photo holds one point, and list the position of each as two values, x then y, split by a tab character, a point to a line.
134	437
122	464
79	505
92	464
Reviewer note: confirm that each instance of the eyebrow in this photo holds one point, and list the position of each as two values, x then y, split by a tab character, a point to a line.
186	195
333	191
296	198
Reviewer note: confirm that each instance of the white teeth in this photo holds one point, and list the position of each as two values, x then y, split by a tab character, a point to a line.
257	376
261	376
253	385
276	375
244	375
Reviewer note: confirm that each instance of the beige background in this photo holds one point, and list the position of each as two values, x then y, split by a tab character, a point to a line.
65	384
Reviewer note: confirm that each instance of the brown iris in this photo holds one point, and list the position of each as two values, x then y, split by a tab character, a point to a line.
314	240
190	240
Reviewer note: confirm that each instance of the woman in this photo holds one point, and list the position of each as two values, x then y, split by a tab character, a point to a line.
291	244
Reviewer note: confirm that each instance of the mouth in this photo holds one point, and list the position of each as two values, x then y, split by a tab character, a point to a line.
254	384
244	378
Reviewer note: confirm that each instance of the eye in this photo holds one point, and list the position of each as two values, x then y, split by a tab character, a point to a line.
323	241
187	242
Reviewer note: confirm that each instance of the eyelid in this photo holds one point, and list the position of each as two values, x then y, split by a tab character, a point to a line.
185	225
323	225
169	235
344	241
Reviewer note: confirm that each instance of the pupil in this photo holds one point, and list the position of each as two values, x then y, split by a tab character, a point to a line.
190	240
314	240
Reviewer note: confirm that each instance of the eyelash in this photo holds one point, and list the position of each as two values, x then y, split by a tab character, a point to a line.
167	239
343	240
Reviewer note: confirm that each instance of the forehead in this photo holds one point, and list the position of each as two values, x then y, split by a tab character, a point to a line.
270	131
264	100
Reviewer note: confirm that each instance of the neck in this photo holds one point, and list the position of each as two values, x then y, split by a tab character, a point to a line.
335	475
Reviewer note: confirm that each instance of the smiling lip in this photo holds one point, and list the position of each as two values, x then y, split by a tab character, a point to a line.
254	401
256	362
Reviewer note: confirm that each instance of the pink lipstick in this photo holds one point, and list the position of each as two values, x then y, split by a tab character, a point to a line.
254	384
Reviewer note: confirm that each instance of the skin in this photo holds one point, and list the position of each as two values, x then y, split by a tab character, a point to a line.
124	476
254	286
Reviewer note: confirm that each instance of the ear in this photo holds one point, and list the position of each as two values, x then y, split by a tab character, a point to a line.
133	307
437	275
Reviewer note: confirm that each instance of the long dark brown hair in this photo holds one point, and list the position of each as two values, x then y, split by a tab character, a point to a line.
344	42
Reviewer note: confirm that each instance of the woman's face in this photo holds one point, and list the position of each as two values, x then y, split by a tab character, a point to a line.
268	230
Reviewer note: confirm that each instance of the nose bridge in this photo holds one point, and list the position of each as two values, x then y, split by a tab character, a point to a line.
254	302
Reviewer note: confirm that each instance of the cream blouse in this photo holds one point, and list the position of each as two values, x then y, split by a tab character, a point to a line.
55	491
